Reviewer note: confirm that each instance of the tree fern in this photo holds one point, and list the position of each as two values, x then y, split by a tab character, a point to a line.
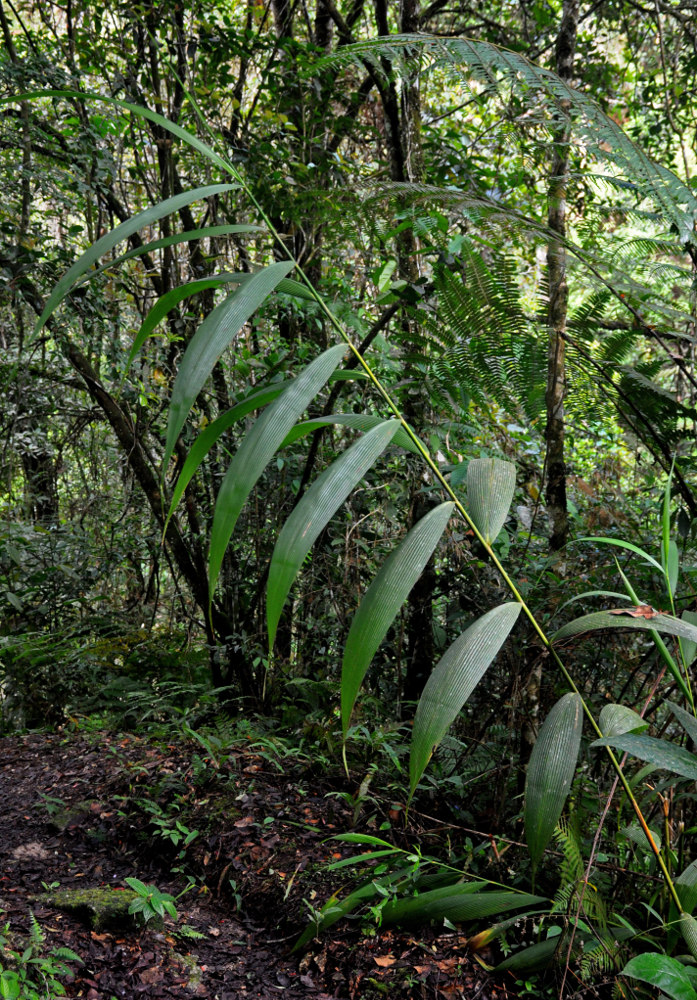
547	103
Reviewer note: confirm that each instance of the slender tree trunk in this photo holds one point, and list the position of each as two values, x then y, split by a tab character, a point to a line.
403	135
556	361
558	297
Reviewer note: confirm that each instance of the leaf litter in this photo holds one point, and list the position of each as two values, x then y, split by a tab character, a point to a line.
251	868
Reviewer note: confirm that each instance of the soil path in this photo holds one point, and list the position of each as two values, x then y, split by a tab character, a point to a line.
88	814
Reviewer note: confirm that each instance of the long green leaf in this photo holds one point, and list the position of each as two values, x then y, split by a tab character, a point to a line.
382	601
490	489
688	647
660	753
357	421
258	448
312	514
458	903
136	109
209	342
606	619
122	232
169	241
453	680
551	771
210	434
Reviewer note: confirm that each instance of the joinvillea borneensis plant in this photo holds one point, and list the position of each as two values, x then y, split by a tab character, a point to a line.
490	482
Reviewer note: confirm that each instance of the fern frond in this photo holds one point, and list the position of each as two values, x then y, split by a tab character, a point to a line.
548	104
36	934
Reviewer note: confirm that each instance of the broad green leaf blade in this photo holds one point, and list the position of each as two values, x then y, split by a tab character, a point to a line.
357	421
209	342
617	719
258	448
687	721
383	599
490	489
660	753
458	903
165	304
122	232
688	646
620	543
605	619
686	885
666	974
551	771
210	434
453	680
312	514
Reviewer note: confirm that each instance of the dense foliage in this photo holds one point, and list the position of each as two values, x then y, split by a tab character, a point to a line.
390	361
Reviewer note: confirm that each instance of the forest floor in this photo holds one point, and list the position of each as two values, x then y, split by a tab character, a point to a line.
83	812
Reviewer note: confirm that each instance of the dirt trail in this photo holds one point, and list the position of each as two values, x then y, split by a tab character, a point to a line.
65	821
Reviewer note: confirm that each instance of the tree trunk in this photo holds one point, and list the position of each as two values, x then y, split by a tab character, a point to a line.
558	298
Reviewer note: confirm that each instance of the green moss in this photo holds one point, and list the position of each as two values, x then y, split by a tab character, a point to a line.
100	908
62	818
195	973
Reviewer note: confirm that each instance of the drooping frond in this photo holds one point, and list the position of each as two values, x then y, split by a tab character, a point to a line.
544	105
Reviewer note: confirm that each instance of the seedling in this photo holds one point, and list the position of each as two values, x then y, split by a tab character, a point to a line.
151	902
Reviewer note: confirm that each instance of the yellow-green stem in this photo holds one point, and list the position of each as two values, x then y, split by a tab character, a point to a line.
433	466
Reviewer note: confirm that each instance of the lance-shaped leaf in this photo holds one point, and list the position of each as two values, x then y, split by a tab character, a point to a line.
458	903
453	680
490	489
89	258
258	448
383	599
210	434
551	771
617	719
660	753
687	721
357	421
312	514
209	342
606	619
686	886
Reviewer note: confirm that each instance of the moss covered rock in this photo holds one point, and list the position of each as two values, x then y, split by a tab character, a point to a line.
102	908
